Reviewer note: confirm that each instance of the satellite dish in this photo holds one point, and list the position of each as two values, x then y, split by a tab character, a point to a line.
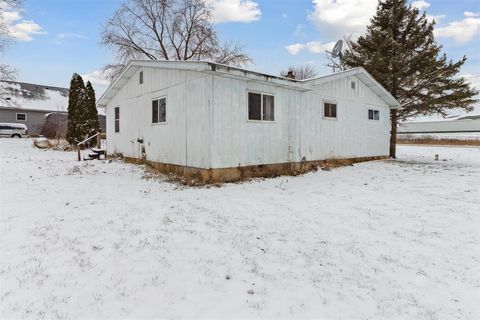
337	49
334	55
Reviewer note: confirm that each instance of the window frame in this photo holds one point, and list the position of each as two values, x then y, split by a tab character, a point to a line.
261	93
116	128
140	77
373	114
158	105
324	102
16	116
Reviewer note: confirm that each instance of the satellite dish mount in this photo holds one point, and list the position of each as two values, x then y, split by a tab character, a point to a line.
336	56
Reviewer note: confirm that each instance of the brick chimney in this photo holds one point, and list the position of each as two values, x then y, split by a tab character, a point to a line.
290	75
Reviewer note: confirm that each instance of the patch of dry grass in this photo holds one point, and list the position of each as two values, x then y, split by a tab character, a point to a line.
440	141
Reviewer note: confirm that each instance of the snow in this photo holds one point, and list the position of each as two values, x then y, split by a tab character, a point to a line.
35	98
452	115
377	240
29	96
437	118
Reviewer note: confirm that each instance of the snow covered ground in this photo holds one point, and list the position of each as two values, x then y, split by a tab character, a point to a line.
378	240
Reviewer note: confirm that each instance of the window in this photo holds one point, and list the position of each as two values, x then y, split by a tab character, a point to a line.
140	77
117	119
329	110
373	114
261	107
254	106
159	110
268	108
21	117
352	85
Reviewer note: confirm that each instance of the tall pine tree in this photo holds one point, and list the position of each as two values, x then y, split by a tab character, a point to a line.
90	122
82	111
400	51
77	87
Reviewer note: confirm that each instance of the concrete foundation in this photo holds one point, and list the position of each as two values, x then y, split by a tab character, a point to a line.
208	176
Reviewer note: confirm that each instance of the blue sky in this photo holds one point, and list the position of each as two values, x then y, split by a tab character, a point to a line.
63	36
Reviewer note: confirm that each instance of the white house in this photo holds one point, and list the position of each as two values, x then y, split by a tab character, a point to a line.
219	122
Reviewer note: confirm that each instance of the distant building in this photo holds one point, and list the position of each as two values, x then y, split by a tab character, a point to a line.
451	124
42	108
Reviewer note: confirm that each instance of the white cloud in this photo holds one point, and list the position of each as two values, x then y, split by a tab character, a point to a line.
300	31
420	4
235	10
96	78
312	46
461	31
25	30
340	17
471	14
294	49
63	37
318	47
436	18
18	28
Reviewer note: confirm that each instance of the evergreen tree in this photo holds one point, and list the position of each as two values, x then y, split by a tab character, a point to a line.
82	127
77	87
400	52
90	114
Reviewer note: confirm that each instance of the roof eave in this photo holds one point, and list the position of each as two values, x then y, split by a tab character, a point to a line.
225	70
134	65
114	87
366	78
380	90
256	77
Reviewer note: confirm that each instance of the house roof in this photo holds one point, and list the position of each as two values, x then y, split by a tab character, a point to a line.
220	69
451	118
31	110
25	96
28	96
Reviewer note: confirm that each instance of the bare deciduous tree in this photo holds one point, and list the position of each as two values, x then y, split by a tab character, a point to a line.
166	30
6	72
6	6
301	72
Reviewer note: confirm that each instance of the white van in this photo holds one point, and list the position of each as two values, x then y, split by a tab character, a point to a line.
13	130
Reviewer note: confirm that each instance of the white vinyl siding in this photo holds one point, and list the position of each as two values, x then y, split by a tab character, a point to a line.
187	115
209	126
